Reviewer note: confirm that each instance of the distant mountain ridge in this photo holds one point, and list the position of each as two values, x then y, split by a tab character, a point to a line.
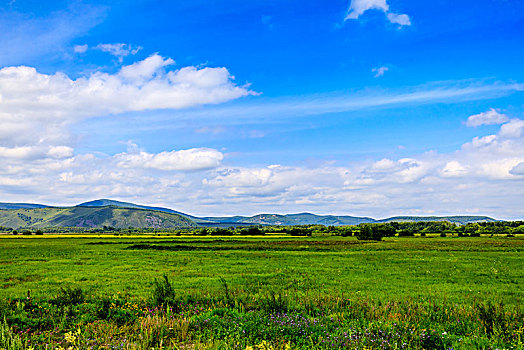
21	206
107	212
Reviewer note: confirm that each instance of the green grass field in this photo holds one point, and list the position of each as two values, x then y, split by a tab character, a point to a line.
225	292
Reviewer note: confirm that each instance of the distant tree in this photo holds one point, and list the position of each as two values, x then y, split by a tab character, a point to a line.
375	232
518	230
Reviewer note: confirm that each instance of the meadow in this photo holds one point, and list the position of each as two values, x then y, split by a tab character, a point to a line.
268	292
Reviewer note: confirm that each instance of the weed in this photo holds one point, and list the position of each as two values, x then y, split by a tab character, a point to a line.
69	296
163	292
9	340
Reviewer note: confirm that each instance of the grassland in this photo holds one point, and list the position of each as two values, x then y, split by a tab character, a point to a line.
265	292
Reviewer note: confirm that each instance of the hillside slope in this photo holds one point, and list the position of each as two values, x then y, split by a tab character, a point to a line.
92	217
110	202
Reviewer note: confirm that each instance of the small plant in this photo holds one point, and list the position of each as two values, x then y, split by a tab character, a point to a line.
8	339
274	302
492	318
163	292
69	296
227	294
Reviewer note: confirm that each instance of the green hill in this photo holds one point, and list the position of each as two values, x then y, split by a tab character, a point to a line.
107	212
92	217
110	202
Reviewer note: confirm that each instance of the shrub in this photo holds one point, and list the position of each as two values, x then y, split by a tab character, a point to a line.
163	292
492	318
251	231
69	296
299	231
443	234
405	233
274	303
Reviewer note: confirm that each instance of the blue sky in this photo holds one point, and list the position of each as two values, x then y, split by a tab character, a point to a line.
357	107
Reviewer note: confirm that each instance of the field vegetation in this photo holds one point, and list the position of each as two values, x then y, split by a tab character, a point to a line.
296	288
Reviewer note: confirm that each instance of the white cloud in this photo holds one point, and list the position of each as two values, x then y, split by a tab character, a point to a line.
358	7
184	160
60	152
119	50
490	117
380	71
37	108
80	48
518	169
146	69
513	129
453	168
401	19
17	152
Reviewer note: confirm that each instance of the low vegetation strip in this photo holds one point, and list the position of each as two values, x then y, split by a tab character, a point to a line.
218	248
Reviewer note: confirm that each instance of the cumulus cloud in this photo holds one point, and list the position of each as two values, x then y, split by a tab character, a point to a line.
453	168
490	117
513	129
379	71
36	108
401	19
358	7
184	160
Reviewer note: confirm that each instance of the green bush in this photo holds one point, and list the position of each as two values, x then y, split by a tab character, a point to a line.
163	292
69	296
405	233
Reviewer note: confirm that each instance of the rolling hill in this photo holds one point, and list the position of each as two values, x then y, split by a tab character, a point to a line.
92	217
110	202
107	212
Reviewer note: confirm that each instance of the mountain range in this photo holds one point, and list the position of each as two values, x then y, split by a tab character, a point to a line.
107	212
